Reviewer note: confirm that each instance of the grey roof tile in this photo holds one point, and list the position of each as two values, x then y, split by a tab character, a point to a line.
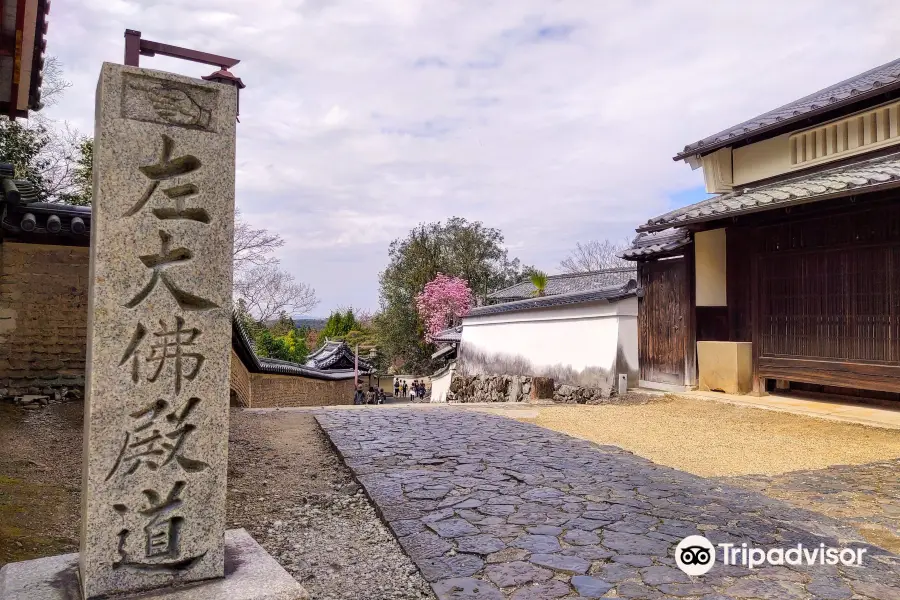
449	335
656	244
243	346
877	80
844	180
568	282
330	354
610	294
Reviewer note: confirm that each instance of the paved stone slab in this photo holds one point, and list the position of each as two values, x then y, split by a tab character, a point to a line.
537	543
561	563
542	591
566	510
452	528
424	545
590	587
466	588
443	567
480	544
516	573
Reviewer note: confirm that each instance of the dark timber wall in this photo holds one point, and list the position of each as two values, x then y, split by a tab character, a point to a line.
828	309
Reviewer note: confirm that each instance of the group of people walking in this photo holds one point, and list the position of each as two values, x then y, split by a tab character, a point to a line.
405	390
373	396
402	389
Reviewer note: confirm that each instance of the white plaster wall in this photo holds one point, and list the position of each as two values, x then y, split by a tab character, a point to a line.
709	252
441	385
578	336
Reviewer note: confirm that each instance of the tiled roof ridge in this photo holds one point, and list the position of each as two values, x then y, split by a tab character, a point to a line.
801	108
275	366
609	293
501	293
585	273
835	182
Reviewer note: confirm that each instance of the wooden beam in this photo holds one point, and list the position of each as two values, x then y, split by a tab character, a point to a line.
17	60
689	307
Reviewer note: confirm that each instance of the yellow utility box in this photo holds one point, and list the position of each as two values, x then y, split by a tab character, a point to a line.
725	366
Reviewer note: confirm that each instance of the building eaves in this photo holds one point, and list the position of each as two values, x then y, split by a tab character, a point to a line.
243	347
874	82
444	351
39	56
862	177
609	294
449	335
657	244
331	353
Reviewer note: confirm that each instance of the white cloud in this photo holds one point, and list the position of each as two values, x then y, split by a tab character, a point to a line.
335	117
553	121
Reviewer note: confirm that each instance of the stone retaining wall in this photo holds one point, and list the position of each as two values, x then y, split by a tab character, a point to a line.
518	388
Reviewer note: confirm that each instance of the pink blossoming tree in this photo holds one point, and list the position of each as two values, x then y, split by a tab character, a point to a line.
443	301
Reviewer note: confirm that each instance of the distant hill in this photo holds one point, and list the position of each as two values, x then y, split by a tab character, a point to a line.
312	323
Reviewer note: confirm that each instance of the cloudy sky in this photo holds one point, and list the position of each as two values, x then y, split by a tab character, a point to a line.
554	121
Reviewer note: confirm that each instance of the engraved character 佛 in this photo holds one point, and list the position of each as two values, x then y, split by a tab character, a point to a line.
171	345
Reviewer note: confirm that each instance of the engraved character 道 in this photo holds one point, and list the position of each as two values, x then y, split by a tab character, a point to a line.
162	534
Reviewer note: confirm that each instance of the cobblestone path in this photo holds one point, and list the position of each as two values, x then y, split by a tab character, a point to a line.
491	509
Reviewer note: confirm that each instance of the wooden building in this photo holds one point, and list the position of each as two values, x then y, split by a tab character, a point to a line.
798	254
23	27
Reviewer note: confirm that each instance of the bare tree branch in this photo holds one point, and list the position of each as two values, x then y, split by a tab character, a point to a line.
53	84
595	255
267	291
58	158
253	247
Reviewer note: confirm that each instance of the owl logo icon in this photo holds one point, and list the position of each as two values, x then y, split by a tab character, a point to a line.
695	555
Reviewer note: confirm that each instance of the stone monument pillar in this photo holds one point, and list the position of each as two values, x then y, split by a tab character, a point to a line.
159	344
159	332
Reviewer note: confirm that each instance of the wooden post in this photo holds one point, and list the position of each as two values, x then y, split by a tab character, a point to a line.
690	319
759	383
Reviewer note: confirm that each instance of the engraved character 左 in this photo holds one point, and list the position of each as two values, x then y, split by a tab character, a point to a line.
169	168
155	441
162	534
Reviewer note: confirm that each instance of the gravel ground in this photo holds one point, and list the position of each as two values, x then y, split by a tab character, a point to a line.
296	498
40	481
717	439
285	486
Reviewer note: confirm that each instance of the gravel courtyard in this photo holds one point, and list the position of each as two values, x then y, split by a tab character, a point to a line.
734	440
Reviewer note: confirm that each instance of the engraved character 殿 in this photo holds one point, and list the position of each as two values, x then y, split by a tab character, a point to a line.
162	534
159	263
171	345
169	168
155	441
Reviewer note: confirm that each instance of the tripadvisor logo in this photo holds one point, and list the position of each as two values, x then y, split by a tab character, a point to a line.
696	555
